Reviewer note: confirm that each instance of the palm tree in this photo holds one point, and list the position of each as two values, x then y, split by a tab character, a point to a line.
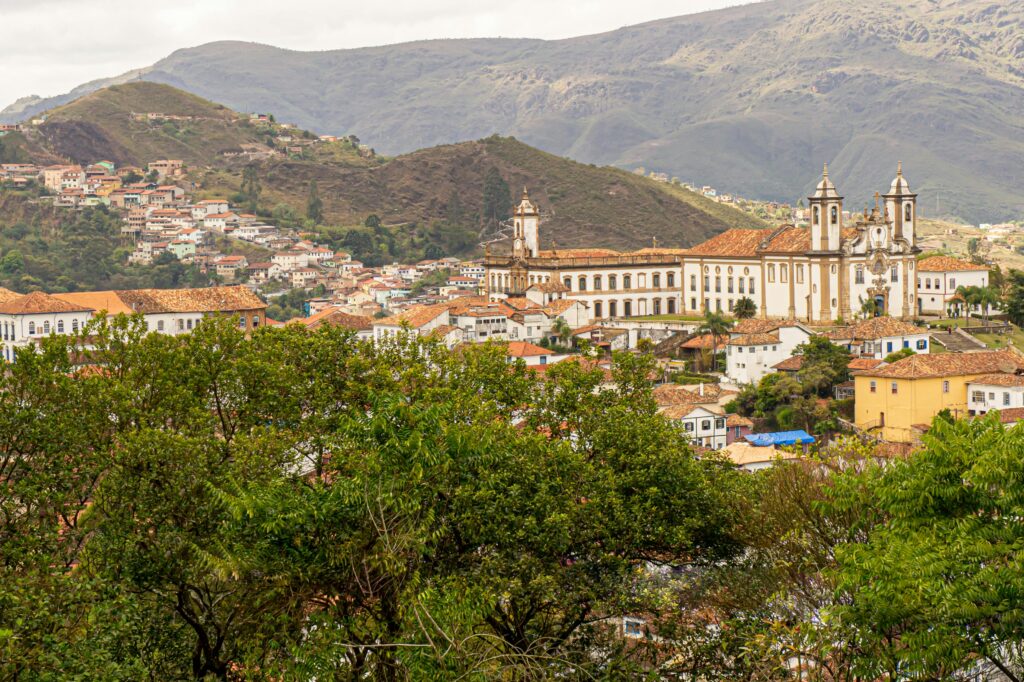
562	330
718	325
744	309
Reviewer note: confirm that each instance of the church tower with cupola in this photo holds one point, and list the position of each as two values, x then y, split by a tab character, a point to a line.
901	208
526	229
826	215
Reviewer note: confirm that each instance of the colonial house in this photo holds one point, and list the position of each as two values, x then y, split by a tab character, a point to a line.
938	279
532	354
995	392
755	346
877	337
898	401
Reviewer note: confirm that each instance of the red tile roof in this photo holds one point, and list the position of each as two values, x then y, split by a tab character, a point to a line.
949	364
948	264
523	349
38	302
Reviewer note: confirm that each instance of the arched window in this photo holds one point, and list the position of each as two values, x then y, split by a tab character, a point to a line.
656	280
567	282
835	215
582	282
613	283
817	215
627	282
752	286
46	327
597	282
906	212
60	326
693	282
670	280
255	321
74	326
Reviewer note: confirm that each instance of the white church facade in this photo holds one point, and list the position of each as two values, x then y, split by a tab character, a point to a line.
827	271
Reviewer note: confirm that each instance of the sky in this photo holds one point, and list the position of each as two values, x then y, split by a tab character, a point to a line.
48	47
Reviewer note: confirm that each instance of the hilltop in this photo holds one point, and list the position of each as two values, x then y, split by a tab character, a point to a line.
432	190
751	98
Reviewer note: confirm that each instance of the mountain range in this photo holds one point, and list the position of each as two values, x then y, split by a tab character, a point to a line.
751	99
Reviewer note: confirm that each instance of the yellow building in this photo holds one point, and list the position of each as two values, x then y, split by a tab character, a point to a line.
898	401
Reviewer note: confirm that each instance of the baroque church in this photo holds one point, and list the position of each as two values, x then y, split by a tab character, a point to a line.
833	269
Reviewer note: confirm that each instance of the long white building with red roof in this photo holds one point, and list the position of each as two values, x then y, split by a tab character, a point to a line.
824	272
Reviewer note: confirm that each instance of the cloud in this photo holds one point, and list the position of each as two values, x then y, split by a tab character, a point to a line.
48	47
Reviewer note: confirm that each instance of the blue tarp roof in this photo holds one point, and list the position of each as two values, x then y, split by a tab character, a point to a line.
780	438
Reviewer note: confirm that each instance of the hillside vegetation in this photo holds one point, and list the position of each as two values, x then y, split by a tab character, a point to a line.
429	198
751	99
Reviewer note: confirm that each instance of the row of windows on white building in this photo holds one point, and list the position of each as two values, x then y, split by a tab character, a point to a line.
7	329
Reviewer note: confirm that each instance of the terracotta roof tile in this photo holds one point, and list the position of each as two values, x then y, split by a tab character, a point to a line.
875	328
523	349
857	364
552	286
38	302
667	395
734	242
415	317
705	342
790	364
97	300
753	339
577	253
1011	415
752	326
206	300
949	364
999	380
948	264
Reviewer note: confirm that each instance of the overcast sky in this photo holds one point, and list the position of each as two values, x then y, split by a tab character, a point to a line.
48	47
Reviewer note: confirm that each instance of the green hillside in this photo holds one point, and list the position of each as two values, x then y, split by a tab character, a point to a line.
431	197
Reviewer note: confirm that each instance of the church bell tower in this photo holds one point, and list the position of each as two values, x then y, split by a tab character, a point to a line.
826	215
901	207
526	232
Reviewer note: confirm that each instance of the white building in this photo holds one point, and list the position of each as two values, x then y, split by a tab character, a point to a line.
938	279
877	337
821	273
704	425
994	392
755	346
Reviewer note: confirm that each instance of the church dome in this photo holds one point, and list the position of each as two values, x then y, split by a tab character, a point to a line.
899	183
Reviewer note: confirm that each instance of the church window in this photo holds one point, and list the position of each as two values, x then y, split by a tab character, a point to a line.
834	303
627	282
657	306
567	282
582	283
817	215
771	272
613	282
718	285
783	273
627	308
672	306
693	304
894	275
598	308
707	282
656	280
858	274
718	305
906	212
693	283
835	215
641	280
728	285
597	282
800	274
670	279
751	287
613	308
742	284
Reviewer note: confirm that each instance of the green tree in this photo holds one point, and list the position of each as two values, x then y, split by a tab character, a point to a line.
314	205
717	325
933	588
899	355
562	330
372	220
1013	297
745	308
251	186
497	199
824	364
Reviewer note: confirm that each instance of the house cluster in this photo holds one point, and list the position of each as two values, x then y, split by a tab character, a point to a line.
26	319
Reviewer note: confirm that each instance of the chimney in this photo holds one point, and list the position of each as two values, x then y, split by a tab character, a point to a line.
700	391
